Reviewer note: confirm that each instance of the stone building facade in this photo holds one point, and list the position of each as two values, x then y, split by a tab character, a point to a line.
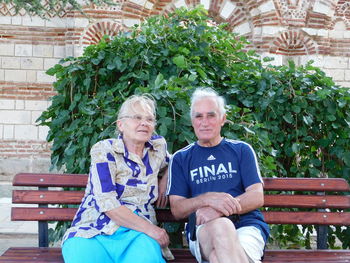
297	30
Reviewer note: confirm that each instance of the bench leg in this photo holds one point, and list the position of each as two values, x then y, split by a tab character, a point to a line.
322	234
43	234
43	228
322	231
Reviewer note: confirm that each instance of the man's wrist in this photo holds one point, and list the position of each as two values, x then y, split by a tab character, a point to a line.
203	201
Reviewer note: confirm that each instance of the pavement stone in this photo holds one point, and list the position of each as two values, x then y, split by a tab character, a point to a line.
17	240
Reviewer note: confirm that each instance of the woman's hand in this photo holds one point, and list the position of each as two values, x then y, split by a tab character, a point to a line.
159	234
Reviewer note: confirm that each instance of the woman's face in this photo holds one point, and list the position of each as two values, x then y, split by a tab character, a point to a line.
137	125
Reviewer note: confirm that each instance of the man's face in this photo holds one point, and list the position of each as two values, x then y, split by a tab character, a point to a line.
207	121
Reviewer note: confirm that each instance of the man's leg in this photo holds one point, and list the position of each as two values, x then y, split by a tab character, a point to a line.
219	242
252	242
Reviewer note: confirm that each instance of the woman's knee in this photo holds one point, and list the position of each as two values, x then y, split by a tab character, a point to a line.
78	249
149	249
148	243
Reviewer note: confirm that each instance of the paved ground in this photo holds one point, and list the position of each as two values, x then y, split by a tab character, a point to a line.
14	233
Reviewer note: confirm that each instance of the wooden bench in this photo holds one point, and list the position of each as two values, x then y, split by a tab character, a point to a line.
321	202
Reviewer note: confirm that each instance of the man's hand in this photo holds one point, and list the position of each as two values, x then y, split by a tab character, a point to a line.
206	214
158	234
222	202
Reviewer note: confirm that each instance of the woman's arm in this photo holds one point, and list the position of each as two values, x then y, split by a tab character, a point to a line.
126	218
162	185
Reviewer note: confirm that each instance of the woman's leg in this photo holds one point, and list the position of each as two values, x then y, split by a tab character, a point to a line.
147	250
87	250
130	246
124	246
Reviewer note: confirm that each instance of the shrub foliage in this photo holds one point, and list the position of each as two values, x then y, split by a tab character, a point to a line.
296	118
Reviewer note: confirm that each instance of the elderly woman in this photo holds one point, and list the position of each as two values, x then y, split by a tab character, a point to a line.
116	220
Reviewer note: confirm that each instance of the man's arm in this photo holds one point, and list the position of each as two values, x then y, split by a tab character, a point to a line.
224	203
252	198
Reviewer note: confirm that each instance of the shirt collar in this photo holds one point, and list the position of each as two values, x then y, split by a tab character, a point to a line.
153	144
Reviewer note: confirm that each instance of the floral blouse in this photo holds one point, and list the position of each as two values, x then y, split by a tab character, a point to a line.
118	177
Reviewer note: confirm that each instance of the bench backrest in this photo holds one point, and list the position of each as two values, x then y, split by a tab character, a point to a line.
305	201
323	197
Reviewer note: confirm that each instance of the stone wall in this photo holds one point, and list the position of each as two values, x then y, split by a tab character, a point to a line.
297	30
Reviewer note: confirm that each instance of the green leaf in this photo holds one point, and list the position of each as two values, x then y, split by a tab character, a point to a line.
163	129
324	142
307	120
159	80
201	72
141	39
331	117
296	109
295	147
180	61
288	117
248	130
346	158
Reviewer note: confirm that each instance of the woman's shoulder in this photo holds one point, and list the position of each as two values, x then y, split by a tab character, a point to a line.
157	140
104	145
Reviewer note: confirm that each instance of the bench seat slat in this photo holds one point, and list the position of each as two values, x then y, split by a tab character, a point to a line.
67	214
303	255
50	180
18	254
271	217
75	197
270	184
306	184
46	197
42	214
308	218
308	201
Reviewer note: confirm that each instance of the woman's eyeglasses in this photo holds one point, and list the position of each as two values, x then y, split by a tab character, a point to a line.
139	118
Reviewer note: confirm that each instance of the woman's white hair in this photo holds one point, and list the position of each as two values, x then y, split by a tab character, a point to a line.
145	101
204	93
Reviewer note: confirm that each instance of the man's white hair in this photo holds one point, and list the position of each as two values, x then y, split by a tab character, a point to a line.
204	93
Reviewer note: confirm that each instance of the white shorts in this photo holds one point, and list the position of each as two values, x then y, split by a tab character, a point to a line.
250	238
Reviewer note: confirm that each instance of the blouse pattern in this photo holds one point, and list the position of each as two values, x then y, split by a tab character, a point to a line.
118	177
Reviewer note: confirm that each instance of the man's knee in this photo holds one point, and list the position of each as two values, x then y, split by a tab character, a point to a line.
221	225
221	230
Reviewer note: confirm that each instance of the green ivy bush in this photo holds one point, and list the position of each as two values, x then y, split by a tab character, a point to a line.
296	118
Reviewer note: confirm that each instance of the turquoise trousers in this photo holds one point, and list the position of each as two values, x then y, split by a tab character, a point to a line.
124	246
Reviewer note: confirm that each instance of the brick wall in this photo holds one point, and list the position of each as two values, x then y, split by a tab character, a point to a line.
297	30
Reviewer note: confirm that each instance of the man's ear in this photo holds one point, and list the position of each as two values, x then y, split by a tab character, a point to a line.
223	120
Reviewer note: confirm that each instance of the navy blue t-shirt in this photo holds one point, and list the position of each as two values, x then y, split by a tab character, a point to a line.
229	167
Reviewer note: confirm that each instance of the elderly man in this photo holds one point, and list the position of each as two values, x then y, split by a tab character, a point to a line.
217	181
